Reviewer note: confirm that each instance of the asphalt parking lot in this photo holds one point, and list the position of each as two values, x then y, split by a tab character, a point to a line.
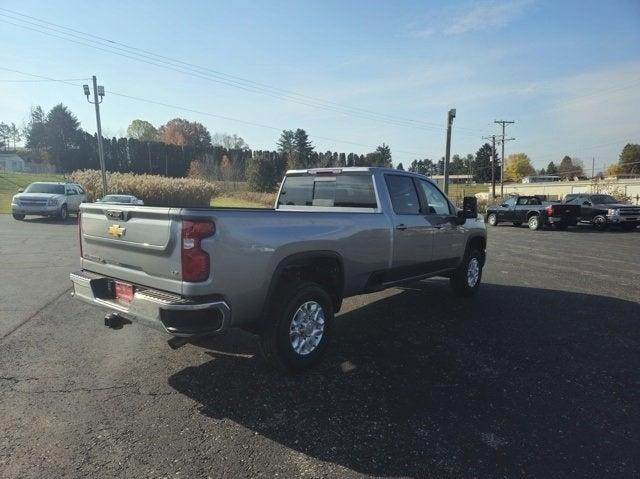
537	376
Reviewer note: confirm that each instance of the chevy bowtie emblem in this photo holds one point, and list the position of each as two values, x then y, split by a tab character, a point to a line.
116	231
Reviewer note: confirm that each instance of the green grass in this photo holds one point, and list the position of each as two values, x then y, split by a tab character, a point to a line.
10	182
230	202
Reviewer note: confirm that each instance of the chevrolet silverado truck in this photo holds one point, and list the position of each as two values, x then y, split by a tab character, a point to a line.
533	211
281	273
603	211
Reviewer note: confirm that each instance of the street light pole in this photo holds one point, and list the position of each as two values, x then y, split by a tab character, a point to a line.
450	116
98	91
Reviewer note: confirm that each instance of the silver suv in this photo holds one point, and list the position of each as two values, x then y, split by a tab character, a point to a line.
48	199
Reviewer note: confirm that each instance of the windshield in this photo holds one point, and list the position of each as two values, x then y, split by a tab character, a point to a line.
51	188
603	199
116	199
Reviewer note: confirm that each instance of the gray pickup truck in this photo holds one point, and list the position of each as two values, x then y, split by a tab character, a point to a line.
281	273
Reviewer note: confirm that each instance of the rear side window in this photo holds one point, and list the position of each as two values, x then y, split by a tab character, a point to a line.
402	192
345	191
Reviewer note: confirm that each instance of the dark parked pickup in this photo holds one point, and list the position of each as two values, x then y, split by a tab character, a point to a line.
604	210
533	211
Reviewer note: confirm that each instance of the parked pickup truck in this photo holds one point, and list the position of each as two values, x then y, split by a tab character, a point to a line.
281	273
534	212
603	211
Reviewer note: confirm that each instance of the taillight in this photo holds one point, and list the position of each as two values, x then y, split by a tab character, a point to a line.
80	232
550	210
195	261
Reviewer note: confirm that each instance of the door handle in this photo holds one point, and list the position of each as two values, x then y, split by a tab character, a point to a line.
401	227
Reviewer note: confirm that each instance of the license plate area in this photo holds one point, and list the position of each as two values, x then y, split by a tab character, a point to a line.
123	291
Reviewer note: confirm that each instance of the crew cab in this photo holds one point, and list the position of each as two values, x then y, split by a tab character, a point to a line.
603	211
283	272
533	211
48	199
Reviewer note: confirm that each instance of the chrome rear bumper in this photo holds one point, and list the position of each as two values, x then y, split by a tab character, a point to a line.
167	312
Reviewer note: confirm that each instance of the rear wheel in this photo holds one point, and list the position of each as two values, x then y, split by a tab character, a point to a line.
298	331
517	223
18	216
492	219
534	223
600	223
465	280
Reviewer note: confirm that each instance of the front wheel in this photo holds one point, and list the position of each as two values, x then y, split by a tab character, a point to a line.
534	223
465	280
298	331
63	213
492	219
600	223
18	216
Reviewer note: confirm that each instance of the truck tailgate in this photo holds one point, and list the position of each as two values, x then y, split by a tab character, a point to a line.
137	244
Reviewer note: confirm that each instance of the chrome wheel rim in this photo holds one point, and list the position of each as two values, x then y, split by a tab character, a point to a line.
533	221
492	220
307	328
473	272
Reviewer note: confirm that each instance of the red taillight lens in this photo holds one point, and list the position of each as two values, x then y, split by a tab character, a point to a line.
195	261
80	232
550	210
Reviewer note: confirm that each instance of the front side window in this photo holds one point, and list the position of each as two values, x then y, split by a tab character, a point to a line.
510	202
402	192
437	204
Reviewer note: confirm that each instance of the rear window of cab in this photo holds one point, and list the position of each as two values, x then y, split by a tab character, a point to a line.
339	191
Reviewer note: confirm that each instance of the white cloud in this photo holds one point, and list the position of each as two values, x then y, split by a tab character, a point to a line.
476	16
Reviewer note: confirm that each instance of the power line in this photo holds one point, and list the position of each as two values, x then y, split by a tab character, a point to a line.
212	75
204	113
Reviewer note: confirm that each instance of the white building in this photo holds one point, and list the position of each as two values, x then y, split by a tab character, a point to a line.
11	162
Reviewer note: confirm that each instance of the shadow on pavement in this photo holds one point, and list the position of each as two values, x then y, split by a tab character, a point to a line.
71	220
515	382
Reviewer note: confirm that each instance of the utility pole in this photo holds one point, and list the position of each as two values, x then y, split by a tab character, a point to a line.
593	167
504	123
493	163
450	116
98	91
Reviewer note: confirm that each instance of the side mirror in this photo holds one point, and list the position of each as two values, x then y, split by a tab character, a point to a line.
20	190
469	210
504	205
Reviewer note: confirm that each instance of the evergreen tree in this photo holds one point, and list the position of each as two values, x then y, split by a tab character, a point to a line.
552	169
62	134
286	147
261	173
400	167
304	148
482	165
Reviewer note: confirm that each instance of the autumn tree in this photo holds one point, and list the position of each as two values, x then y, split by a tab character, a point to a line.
518	166
142	130
182	132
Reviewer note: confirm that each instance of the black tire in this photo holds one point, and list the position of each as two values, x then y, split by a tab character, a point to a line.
492	219
517	223
63	214
276	340
600	223
461	281
534	222
628	226
18	216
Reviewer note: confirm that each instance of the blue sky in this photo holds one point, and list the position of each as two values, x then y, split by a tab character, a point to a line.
567	72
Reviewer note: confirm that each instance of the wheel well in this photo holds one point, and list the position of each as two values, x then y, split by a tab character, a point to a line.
324	268
532	213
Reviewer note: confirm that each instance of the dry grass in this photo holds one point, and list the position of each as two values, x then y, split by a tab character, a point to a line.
153	190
